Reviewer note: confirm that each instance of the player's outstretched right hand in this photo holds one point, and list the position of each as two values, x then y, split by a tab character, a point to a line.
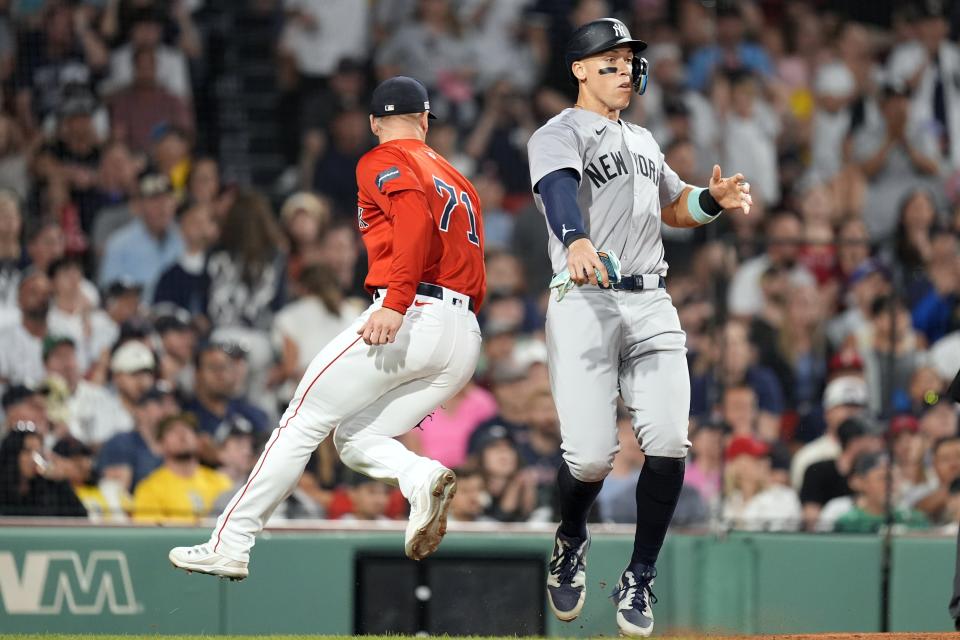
583	263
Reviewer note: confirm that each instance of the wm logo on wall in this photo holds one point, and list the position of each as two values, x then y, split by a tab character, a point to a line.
55	582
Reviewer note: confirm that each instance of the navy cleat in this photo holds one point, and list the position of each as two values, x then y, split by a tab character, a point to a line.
567	578
634	597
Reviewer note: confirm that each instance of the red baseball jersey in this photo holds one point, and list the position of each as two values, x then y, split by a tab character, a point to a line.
420	221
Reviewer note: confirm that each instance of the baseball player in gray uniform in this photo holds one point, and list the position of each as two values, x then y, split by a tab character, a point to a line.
602	182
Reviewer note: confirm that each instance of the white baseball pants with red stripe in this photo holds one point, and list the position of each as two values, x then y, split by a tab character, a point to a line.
368	395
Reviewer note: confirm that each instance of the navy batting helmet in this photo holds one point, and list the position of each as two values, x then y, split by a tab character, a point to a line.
602	35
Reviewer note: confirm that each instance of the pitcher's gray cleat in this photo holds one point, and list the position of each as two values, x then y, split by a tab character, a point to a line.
202	559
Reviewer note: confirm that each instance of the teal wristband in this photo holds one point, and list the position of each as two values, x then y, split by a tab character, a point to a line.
696	209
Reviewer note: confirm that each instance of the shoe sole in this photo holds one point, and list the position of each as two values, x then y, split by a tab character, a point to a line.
428	537
235	575
568	616
628	630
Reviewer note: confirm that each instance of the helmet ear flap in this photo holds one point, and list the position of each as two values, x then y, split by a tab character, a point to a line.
639	73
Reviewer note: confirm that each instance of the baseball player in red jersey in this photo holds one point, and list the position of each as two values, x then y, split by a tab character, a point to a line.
414	348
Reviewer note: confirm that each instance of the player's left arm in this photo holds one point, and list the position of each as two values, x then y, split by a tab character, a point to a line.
698	206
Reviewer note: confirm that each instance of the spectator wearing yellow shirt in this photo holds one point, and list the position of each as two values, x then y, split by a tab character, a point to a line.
181	490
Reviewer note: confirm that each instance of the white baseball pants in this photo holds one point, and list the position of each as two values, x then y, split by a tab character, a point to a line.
369	395
602	344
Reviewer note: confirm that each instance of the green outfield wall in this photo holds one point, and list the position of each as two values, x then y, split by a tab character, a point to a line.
118	580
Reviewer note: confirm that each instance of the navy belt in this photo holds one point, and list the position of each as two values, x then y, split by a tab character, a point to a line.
429	290
635	283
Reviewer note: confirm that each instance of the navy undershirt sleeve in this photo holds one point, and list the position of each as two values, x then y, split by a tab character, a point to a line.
558	190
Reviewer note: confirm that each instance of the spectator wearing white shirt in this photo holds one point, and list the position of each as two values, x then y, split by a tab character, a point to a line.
434	49
754	502
944	354
146	32
320	33
496	28
897	156
784	238
832	511
72	401
930	65
317	36
750	131
11	252
132	373
21	344
70	309
840	91
303	327
910	451
844	397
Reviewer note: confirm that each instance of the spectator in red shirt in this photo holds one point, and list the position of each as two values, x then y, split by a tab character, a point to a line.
370	498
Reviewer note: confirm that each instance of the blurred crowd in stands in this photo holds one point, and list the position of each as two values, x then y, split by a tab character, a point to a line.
178	239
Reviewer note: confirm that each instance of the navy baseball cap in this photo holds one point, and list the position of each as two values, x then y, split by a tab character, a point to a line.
600	35
70	447
398	95
867	268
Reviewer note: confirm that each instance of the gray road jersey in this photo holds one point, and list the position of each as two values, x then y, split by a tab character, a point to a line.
624	182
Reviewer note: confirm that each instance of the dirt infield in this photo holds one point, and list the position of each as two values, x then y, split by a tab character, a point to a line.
845	636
